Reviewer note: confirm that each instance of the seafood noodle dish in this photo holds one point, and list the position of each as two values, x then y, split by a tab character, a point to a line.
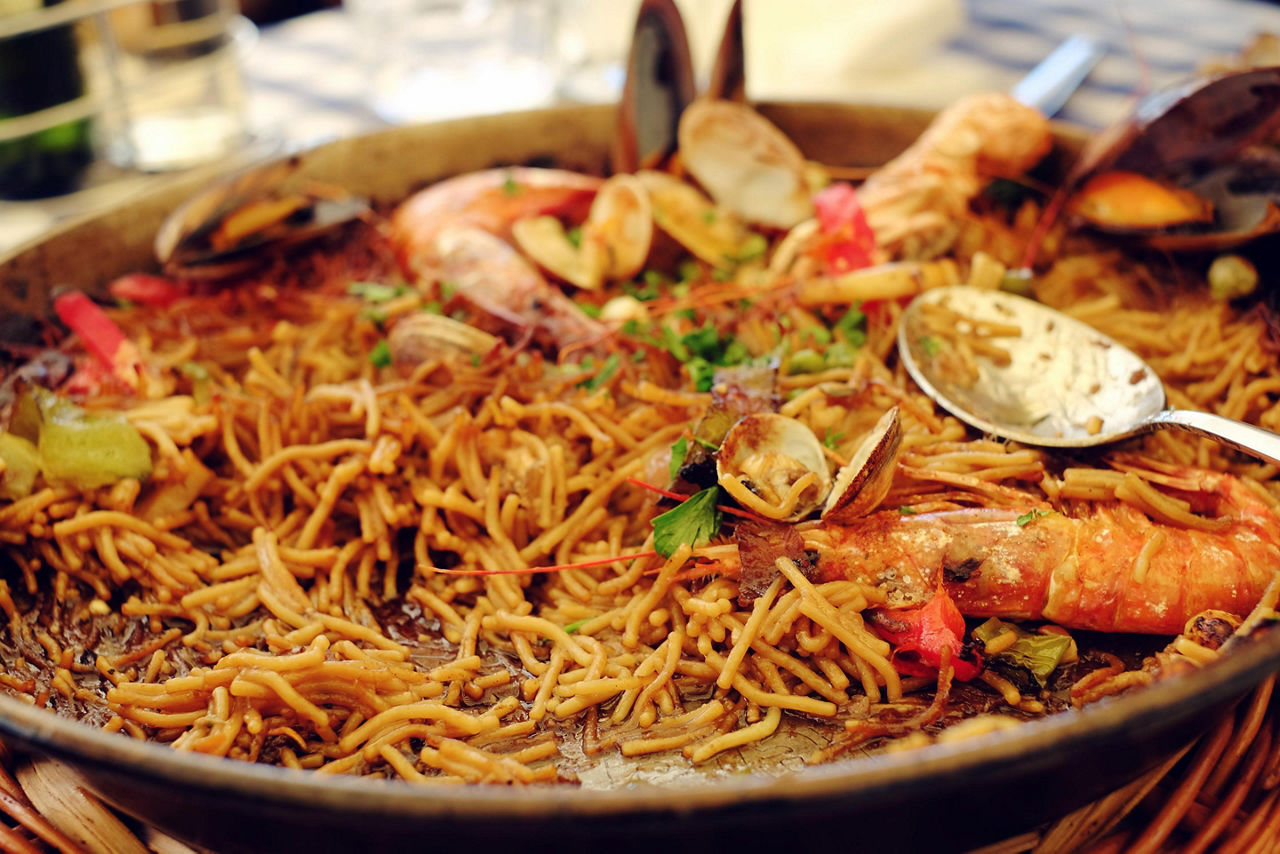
545	477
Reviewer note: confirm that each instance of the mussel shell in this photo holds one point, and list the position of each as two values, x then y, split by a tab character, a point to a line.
659	85
1199	121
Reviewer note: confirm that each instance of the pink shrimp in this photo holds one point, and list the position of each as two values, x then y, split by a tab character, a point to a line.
456	231
1114	570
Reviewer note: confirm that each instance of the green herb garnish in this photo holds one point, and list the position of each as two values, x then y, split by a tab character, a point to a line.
904	510
853	326
694	522
1030	516
607	370
509	186
577	624
678	452
830	439
931	346
380	356
376	292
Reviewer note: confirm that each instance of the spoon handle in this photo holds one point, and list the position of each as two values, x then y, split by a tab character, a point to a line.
1235	434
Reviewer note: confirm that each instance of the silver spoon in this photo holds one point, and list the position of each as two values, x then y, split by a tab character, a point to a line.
1062	385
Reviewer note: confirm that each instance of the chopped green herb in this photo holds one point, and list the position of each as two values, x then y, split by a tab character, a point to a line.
722	274
689	271
576	624
475	360
380	356
830	439
674	344
650	290
702	372
575	236
639	356
679	290
678	452
694	522
752	249
931	346
708	444
904	510
1030	516
509	186
376	292
374	315
433	307
709	216
853	326
607	370
590	309
631	327
447	290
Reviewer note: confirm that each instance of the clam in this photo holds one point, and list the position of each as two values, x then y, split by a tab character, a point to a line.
423	337
225	229
864	482
711	232
745	162
774	466
612	244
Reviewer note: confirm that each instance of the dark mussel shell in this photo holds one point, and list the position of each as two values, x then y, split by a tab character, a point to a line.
1206	137
225	229
659	86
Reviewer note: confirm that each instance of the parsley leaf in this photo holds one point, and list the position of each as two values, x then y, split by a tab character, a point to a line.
932	346
904	510
708	444
590	309
509	186
376	292
854	326
381	354
607	370
694	521
1030	516
678	452
576	624
574	236
830	439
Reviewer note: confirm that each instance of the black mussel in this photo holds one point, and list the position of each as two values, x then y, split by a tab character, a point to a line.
229	228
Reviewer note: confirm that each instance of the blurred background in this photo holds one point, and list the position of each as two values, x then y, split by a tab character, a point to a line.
101	98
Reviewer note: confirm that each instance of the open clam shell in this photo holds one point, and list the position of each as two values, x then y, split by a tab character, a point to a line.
862	484
774	466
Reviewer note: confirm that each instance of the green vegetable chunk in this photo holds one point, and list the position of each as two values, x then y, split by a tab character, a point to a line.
87	450
1031	654
21	465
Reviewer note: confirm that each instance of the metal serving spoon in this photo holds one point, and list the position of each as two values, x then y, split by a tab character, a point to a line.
1063	384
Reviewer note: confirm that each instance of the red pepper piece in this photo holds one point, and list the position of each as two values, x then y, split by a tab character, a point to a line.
104	340
849	243
918	636
147	290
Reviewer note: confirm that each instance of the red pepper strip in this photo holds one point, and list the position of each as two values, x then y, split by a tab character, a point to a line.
147	290
919	636
849	243
101	337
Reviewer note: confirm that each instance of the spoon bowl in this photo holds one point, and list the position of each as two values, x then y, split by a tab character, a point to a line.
1015	368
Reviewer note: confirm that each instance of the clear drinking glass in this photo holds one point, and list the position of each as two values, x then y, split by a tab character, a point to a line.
180	95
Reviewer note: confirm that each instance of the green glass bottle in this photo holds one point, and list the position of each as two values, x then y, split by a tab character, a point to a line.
38	70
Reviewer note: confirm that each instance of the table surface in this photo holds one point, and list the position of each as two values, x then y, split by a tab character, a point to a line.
307	79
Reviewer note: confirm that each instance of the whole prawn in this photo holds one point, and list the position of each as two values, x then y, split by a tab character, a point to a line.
1114	570
457	231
